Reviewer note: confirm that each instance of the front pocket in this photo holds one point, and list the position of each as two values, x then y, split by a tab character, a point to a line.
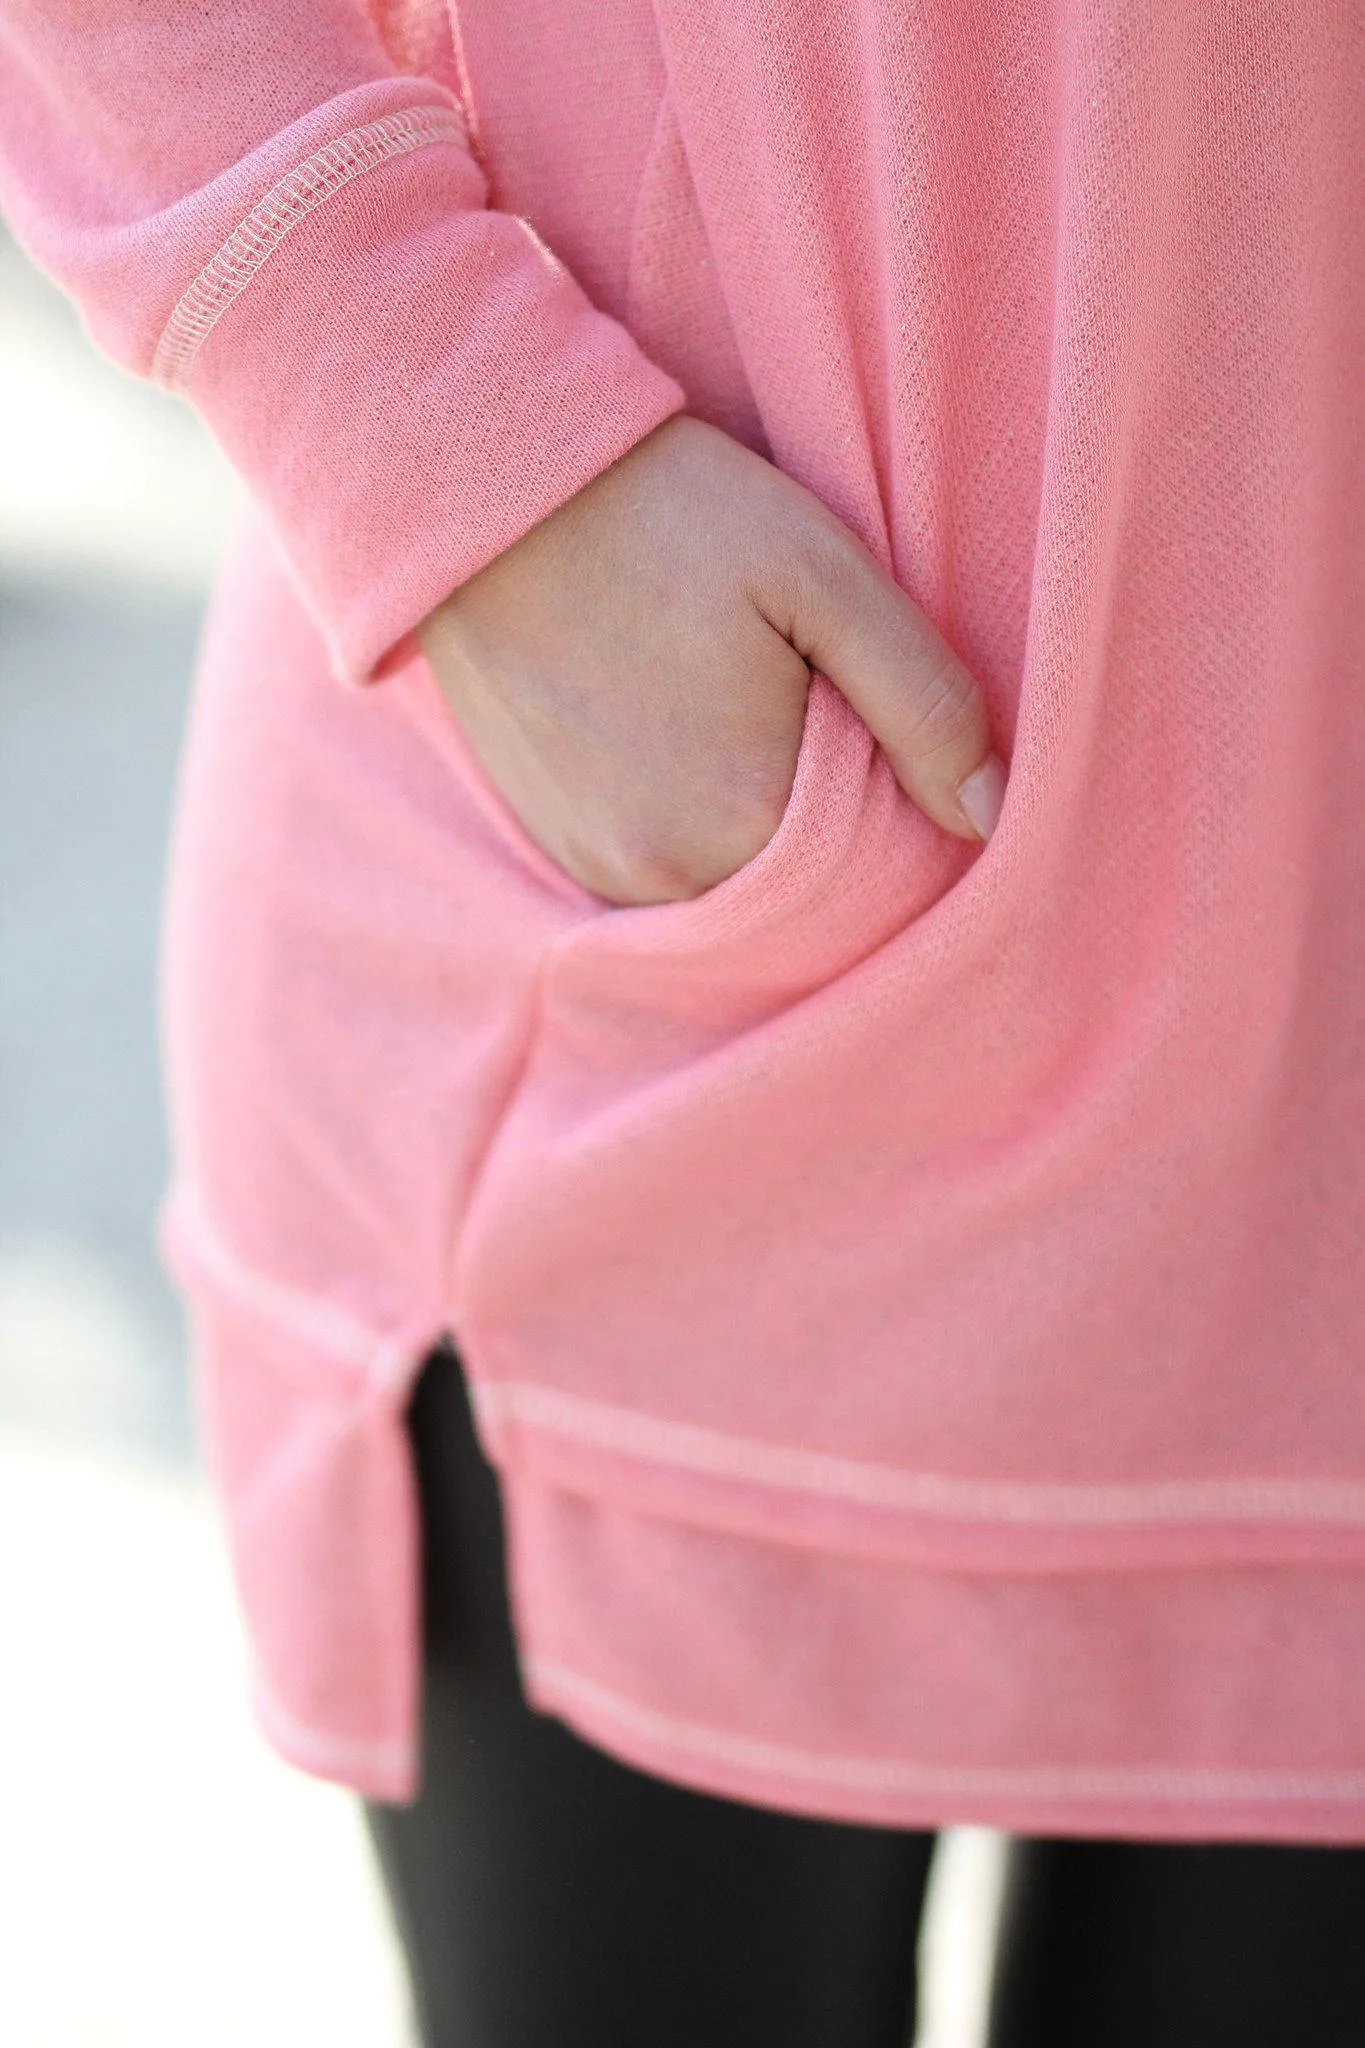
421	694
851	863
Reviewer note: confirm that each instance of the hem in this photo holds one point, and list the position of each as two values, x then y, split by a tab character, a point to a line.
704	1477
1157	1803
746	1633
375	1767
713	1478
196	1252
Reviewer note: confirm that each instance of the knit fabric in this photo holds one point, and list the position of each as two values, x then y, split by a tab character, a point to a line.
914	1296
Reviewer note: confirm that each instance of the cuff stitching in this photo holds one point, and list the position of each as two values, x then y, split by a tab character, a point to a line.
255	239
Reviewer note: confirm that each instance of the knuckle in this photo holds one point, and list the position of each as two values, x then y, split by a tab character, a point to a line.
946	714
814	571
824	559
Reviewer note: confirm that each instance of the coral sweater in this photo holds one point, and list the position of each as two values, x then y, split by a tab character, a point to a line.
914	1297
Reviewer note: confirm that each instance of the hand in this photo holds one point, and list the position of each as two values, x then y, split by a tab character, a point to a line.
632	673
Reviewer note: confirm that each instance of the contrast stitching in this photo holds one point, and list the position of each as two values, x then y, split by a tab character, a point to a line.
255	240
628	1433
687	1446
891	1776
394	1758
317	1323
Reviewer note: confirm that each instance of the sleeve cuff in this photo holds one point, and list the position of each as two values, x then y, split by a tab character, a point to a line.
407	381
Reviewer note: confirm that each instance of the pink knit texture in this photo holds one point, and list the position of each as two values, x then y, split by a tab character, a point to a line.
915	1298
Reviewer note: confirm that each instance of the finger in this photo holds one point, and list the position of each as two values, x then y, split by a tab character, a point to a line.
848	618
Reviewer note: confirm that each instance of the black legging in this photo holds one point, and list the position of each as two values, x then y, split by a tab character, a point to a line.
549	1897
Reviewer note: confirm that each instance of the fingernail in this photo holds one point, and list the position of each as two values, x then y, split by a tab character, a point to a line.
981	796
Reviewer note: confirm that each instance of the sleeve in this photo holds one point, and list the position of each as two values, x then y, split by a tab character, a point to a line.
252	204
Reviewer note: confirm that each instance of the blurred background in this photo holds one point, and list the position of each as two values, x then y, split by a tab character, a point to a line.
163	1879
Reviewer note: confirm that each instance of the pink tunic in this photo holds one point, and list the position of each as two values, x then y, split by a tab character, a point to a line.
915	1299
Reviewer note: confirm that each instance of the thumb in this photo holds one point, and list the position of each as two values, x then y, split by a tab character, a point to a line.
848	618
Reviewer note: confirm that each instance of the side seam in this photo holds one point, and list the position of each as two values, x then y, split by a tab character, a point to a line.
191	1244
